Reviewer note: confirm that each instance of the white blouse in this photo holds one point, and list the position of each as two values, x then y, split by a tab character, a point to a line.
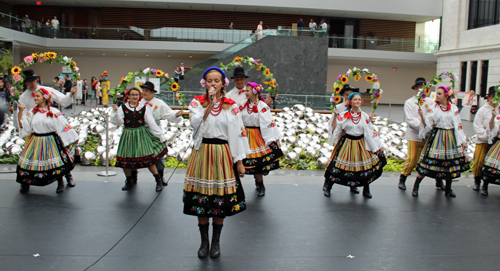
118	118
27	98
494	133
228	126
236	95
363	127
40	123
262	119
342	107
444	120
482	124
413	118
161	111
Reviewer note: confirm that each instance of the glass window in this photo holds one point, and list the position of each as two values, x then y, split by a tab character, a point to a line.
463	76
484	77
483	13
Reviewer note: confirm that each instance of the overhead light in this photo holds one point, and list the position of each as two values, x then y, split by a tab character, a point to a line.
190	56
125	54
81	53
103	54
168	55
147	55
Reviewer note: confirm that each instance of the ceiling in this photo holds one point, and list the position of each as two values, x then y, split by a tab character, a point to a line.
156	4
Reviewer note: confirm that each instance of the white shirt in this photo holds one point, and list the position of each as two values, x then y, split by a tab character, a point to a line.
227	125
324	26
182	70
55	23
312	25
118	118
234	95
482	124
27	99
363	127
341	108
413	119
161	111
263	119
40	123
79	88
444	120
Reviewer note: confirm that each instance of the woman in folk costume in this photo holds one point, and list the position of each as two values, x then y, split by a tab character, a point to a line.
50	149
139	147
212	188
358	158
263	136
443	154
482	122
491	162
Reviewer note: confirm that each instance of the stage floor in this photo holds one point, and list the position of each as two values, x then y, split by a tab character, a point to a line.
294	227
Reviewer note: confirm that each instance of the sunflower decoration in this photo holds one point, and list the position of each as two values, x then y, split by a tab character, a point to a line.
357	77
427	91
72	64
174	86
338	99
123	80
357	74
54	55
338	89
15	70
344	79
369	78
238	59
159	73
268	72
35	56
46	55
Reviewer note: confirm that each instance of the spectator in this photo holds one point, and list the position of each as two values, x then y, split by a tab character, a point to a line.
231	26
85	91
55	26
79	91
259	30
41	27
99	93
177	74
312	27
48	27
324	27
4	93
39	81
23	25
27	24
182	70
300	27
57	84
67	88
14	21
93	84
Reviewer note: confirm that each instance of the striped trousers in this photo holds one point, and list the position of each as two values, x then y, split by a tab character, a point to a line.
414	151
479	155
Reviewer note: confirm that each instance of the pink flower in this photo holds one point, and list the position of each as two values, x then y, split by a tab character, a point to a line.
28	59
193	104
41	59
66	129
256	61
227	82
166	75
203	83
77	69
340	76
17	77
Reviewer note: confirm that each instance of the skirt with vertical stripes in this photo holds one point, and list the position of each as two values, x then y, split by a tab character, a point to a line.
491	166
263	158
479	155
44	160
352	165
138	148
212	188
441	157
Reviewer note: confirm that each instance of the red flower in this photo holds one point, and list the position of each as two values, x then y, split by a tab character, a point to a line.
140	121
272	124
264	110
367	121
32	94
50	114
256	109
244	133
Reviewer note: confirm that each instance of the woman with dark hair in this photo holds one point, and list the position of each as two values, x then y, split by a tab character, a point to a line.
212	188
443	155
358	158
142	141
50	150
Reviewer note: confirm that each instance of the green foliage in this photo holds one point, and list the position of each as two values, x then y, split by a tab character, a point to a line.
7	159
307	162
6	62
394	165
171	162
91	143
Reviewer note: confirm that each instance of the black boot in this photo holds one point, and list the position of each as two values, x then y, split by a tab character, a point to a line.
448	191
366	191
60	186
215	248
133	176
477	183
402	180
328	188
205	243
257	187
161	172
128	184
24	188
440	185
354	189
262	189
484	189
416	185
69	179
325	184
159	183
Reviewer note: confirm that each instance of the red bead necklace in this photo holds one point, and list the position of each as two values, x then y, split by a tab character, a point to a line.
356	118
253	109
447	107
217	108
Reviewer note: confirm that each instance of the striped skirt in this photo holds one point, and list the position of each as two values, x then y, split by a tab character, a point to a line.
491	167
44	160
211	187
414	151
479	155
352	165
441	157
138	148
263	158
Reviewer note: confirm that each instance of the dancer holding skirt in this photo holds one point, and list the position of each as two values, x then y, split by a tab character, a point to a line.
491	162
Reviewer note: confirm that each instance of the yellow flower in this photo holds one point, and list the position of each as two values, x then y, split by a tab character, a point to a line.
421	102
266	82
258	68
174	86
426	105
338	89
238	59
427	91
159	73
35	56
369	78
46	55
357	77
268	72
156	106
236	207
72	64
344	79
123	80
53	55
16	70
337	99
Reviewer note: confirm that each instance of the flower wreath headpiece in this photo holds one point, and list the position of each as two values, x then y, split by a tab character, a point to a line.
350	98
448	92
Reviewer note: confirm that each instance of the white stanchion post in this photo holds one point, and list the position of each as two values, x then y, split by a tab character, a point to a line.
107	173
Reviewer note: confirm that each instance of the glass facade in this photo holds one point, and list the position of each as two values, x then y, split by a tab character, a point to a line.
483	13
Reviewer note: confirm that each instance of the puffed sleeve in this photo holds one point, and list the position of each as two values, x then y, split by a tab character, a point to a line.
457	123
429	123
196	113
337	133
412	117
67	134
152	126
237	135
330	130
492	134
167	113
372	140
117	117
481	131
268	128
26	121
63	99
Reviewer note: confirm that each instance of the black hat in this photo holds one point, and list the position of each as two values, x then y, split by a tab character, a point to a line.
149	86
348	87
419	81
29	75
491	91
239	72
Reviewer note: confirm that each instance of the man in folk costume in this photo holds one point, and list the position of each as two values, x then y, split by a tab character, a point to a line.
27	99
414	143
481	127
161	111
237	94
105	86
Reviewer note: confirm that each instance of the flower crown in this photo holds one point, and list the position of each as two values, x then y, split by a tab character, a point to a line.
256	88
447	92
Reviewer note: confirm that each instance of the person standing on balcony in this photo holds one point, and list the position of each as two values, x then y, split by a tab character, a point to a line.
231	27
15	23
324	28
259	30
312	27
48	27
300	27
239	77
55	26
177	74
105	85
27	24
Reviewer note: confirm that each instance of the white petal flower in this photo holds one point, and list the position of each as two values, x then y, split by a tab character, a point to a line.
146	70
251	59
376	85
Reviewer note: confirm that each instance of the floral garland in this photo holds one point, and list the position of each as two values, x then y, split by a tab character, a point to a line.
254	64
39	58
357	74
151	73
426	90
